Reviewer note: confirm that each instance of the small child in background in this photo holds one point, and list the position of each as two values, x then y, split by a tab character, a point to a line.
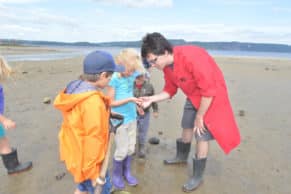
143	87
8	154
85	129
124	103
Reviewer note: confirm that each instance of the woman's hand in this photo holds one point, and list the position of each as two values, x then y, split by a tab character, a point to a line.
199	127
146	101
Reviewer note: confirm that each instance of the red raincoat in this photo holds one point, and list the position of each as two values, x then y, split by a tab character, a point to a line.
197	74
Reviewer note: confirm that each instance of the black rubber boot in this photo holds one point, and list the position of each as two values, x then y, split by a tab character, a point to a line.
197	178
12	164
183	150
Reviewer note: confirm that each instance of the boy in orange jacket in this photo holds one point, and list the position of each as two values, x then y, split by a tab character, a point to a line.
85	129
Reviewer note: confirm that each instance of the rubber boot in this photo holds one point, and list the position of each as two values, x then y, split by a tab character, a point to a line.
12	164
141	151
197	178
117	178
182	153
131	180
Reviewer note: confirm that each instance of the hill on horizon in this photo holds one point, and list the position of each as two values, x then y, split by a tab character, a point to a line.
232	46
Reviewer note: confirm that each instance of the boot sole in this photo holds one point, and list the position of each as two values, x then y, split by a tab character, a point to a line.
118	189
18	172
132	185
189	191
175	163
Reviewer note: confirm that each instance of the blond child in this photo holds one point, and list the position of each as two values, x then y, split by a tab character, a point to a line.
124	103
8	154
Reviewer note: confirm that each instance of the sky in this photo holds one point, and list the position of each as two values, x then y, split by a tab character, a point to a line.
258	21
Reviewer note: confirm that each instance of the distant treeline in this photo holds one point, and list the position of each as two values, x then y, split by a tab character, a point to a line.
233	46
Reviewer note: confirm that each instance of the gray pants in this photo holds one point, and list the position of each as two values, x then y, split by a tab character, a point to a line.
125	139
188	118
143	122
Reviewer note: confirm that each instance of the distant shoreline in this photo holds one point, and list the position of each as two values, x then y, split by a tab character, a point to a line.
42	53
221	46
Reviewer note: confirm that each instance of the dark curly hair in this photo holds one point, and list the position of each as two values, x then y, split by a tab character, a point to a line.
155	43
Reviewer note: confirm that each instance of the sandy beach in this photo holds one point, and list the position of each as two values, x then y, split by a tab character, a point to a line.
15	50
259	89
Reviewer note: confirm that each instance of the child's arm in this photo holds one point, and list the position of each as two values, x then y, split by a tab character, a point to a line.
111	94
7	123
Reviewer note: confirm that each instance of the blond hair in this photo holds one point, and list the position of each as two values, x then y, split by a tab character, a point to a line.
130	58
5	69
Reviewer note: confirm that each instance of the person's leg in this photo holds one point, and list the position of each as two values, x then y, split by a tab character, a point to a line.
4	146
131	180
121	142
187	135
142	133
202	148
183	145
4	143
121	150
10	157
199	161
131	137
85	187
107	186
77	191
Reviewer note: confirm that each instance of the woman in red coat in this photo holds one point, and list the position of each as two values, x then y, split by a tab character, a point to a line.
207	112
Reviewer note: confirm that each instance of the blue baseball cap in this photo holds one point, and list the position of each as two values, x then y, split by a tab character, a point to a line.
100	61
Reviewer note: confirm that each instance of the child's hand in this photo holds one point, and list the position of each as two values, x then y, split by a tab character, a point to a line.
8	124
140	110
136	100
156	114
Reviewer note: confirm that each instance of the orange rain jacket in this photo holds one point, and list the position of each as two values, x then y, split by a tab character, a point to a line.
84	132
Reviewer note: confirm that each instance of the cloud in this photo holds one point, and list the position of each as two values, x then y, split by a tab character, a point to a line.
242	2
14	27
18	1
140	3
282	9
208	32
37	23
189	32
33	17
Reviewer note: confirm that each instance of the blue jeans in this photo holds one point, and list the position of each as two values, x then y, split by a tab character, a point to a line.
86	186
143	122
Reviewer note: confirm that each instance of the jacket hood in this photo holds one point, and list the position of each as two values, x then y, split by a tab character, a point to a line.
75	92
65	102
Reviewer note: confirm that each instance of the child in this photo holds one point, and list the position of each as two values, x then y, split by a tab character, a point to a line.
143	87
9	155
123	102
85	129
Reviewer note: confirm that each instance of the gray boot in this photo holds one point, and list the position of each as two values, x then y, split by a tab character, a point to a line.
141	151
183	150
12	164
197	178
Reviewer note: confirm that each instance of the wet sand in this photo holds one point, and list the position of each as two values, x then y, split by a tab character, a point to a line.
261	164
16	50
